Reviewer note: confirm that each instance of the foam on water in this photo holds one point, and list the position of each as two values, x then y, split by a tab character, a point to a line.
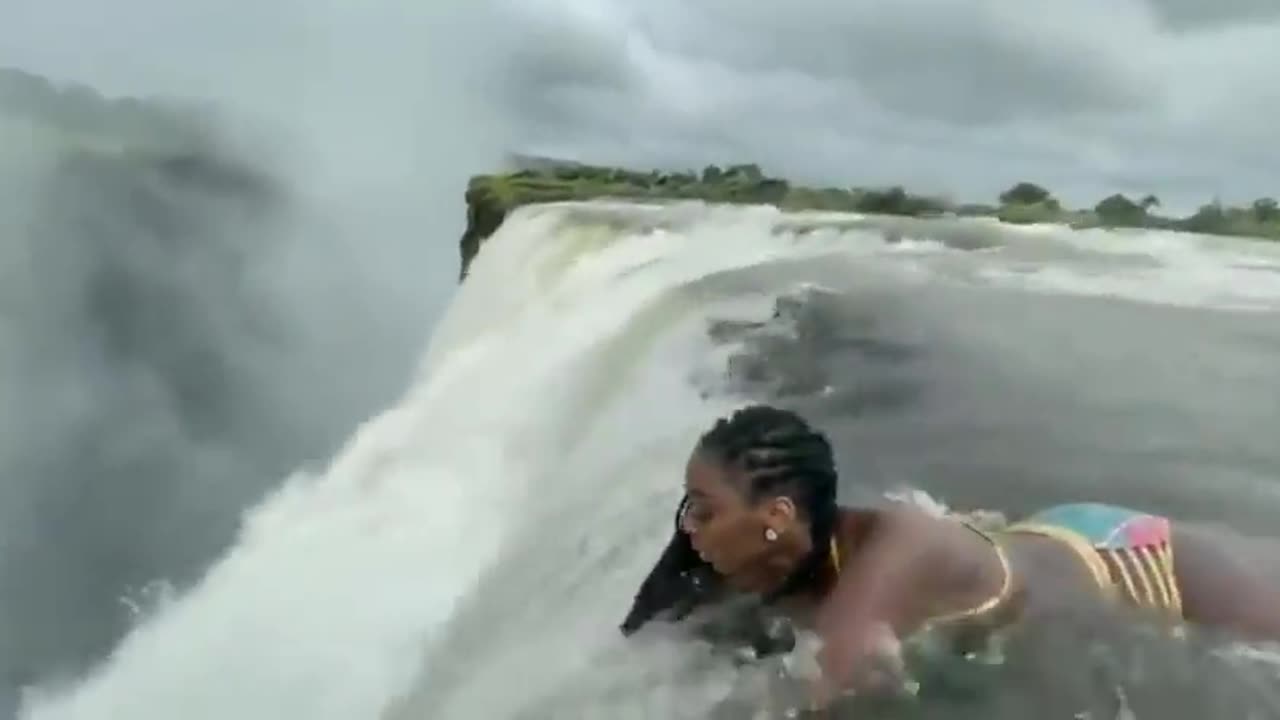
469	552
329	600
1150	266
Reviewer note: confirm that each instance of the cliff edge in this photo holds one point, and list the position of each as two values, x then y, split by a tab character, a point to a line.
490	198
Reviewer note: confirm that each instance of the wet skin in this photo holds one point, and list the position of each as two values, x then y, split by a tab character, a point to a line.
901	567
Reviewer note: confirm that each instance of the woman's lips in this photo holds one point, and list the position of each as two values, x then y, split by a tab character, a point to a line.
701	554
707	558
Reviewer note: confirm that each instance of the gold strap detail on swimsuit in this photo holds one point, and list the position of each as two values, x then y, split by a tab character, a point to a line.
1088	555
1165	556
1121	556
993	602
1151	565
1146	574
1154	568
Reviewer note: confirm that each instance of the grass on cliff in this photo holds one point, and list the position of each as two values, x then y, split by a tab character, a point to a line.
491	197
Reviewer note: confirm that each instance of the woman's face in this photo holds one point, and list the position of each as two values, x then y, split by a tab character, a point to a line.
724	528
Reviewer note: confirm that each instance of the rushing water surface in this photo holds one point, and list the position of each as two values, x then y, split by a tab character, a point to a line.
469	552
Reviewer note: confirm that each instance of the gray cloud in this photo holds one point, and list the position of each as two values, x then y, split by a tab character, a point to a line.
1091	96
377	112
954	61
1191	14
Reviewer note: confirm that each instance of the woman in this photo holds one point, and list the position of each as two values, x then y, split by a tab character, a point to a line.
759	517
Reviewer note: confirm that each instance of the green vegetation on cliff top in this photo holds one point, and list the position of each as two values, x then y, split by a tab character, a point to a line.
491	197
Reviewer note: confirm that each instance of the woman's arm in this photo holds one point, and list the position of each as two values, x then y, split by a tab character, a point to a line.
875	602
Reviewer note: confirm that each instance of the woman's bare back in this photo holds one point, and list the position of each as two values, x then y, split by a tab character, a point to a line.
1212	578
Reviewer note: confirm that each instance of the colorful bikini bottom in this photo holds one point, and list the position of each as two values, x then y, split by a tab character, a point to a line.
1128	552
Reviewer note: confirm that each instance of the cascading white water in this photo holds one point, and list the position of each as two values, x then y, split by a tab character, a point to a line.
553	398
470	551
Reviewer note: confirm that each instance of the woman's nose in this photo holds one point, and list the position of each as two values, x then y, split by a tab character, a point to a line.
686	524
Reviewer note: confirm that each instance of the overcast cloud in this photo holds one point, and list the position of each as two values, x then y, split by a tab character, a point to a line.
1174	96
393	103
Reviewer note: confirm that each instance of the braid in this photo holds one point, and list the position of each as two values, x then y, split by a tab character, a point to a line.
678	583
779	455
783	455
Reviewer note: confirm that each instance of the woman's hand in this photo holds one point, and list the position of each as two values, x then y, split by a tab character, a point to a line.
873	601
869	662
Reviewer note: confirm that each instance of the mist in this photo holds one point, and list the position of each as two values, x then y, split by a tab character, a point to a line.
172	345
183	326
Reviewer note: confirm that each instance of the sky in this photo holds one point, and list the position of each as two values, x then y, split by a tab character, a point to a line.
394	103
966	96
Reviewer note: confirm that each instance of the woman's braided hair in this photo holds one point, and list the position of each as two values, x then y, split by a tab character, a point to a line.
778	454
